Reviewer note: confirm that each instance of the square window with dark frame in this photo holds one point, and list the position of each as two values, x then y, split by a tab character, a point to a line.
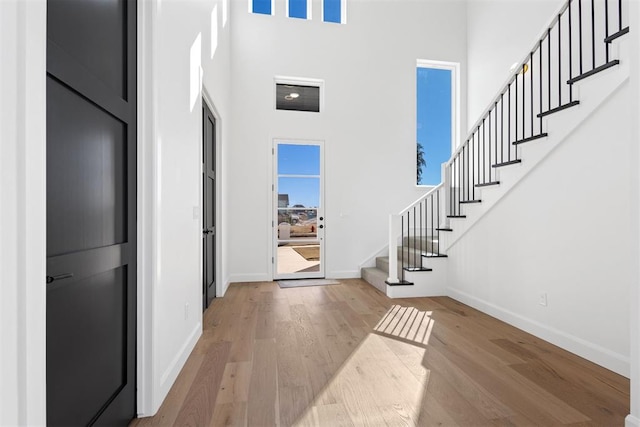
297	97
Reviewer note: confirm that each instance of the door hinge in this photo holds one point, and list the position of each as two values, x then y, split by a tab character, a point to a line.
273	187
273	151
272	260
272	224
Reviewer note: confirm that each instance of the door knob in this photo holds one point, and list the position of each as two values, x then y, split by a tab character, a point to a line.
51	279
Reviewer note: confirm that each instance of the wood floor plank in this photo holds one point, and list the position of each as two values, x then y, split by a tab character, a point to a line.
197	409
234	386
232	414
263	391
346	355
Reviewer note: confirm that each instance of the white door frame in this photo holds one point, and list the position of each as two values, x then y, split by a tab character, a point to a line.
274	211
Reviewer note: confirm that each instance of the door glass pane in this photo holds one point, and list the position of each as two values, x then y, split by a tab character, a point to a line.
298	240
298	159
298	192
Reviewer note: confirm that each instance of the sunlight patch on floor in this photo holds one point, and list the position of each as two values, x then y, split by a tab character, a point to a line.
384	379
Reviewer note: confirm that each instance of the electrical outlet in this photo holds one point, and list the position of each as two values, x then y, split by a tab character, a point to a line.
543	299
186	311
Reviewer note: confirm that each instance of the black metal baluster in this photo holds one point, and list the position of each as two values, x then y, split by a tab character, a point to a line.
489	116
541	88
464	181
495	121
477	146
620	15
459	182
559	60
531	88
580	32
606	30
509	126
549	64
421	236
415	239
502	127
402	249
432	229
570	55
515	80
593	34
437	229
473	175
484	150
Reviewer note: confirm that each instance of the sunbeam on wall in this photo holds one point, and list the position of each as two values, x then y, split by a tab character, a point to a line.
214	30
195	75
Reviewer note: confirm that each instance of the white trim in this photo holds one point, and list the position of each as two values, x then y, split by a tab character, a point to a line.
300	81
345	274
147	209
631	421
273	226
171	373
599	355
252	277
454	67
23	212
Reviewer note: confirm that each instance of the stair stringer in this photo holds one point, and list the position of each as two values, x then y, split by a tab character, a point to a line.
592	93
425	283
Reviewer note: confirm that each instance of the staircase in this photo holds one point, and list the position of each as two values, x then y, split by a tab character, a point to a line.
509	140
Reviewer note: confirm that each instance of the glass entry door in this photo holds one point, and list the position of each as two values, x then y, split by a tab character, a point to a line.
298	218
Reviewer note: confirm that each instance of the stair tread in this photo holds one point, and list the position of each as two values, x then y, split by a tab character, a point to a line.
486	184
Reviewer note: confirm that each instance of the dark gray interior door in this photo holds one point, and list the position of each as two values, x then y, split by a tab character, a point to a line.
91	212
209	204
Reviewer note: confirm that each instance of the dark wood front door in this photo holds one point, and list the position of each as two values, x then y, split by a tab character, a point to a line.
91	212
209	204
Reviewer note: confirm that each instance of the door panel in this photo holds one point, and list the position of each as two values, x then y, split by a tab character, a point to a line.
91	212
87	205
80	310
209	205
93	33
299	225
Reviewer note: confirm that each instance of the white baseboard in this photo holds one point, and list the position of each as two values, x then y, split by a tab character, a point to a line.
257	277
171	373
370	261
353	274
631	421
596	354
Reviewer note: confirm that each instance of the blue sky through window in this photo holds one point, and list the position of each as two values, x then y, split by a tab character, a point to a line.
299	160
261	6
433	120
332	10
298	9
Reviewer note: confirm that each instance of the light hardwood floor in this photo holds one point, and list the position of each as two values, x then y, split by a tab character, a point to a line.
346	355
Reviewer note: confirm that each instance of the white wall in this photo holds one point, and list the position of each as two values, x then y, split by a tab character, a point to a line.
568	230
633	419
177	58
22	212
368	124
500	33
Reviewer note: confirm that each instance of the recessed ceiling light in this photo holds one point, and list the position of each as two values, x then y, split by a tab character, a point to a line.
288	97
294	95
